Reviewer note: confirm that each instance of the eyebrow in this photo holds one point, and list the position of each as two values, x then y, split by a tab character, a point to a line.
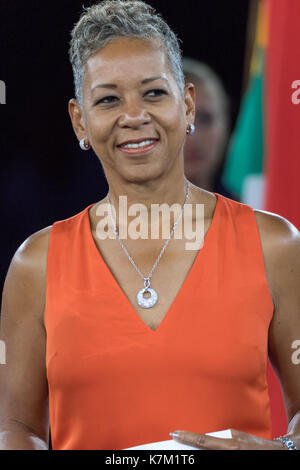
151	79
114	86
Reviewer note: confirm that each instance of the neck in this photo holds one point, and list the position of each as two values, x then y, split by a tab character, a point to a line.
121	207
167	191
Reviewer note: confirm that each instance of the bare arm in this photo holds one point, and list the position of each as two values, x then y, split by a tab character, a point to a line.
281	246
24	416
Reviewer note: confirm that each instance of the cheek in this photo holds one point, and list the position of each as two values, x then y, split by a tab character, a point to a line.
100	137
99	128
174	122
173	110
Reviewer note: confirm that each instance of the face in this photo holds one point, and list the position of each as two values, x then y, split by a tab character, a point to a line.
204	149
133	115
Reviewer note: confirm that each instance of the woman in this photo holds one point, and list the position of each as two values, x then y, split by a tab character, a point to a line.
204	152
125	366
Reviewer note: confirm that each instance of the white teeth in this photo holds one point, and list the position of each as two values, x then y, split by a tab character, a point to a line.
137	145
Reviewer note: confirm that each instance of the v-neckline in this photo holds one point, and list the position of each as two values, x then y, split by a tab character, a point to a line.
117	287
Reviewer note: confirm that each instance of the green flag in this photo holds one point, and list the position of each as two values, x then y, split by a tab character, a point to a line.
244	162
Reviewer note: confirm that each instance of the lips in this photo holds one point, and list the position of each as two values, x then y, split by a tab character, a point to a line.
137	141
138	146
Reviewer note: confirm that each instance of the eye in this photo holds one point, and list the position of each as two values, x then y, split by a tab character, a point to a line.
156	93
107	100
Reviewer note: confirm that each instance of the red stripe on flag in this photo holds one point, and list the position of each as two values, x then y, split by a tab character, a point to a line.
282	162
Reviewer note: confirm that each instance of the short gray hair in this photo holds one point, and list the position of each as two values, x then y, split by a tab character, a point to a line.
113	19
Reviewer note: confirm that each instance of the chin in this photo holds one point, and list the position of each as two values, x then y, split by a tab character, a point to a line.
141	174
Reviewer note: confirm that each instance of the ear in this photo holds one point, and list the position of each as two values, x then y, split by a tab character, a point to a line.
76	116
189	99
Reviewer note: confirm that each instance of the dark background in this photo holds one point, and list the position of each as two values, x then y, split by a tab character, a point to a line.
44	176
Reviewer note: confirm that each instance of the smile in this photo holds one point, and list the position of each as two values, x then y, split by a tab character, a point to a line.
138	147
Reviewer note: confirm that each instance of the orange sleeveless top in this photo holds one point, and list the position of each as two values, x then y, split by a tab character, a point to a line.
115	383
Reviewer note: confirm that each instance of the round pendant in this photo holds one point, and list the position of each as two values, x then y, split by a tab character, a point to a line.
147	302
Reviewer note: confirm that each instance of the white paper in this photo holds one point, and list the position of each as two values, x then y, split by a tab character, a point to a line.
173	445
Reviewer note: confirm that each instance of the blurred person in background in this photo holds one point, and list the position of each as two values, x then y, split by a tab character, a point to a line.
205	151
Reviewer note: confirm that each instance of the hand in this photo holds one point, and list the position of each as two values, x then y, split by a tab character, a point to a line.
239	441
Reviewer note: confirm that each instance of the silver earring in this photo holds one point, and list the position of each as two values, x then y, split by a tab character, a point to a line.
191	129
83	145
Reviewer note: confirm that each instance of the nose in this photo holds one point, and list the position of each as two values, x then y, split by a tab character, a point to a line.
134	115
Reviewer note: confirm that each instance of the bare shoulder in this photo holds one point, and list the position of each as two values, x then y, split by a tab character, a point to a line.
26	276
31	256
280	242
276	231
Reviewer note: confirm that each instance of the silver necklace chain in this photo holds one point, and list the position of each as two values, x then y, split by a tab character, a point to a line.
153	295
